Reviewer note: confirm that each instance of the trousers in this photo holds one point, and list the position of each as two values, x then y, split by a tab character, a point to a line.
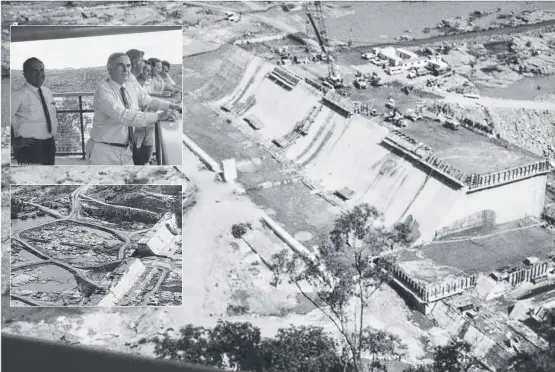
98	153
41	152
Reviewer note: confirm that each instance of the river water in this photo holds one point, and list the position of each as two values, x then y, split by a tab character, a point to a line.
378	22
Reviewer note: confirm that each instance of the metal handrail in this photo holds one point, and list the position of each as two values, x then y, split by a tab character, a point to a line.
80	111
160	148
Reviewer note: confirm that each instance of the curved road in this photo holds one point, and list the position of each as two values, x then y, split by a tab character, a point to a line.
72	217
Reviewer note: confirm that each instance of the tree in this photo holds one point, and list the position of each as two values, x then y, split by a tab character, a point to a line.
344	275
191	347
306	349
406	232
235	345
543	360
238	230
240	346
456	356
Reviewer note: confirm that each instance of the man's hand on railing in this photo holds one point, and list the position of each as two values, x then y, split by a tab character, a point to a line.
176	107
20	142
162	115
167	115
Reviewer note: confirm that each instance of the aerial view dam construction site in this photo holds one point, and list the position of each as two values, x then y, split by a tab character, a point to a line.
379	171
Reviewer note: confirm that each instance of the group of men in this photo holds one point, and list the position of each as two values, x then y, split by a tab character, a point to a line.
125	111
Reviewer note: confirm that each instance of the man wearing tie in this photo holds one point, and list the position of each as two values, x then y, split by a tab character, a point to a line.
33	117
116	112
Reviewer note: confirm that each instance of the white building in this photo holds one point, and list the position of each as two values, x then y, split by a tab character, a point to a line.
401	59
160	238
122	280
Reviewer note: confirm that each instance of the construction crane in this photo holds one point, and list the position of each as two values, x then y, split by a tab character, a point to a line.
316	18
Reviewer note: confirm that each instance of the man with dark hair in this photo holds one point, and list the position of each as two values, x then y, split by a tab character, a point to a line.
165	73
145	75
117	111
143	138
158	83
33	117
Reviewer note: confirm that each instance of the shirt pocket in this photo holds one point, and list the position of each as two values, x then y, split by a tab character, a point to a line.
34	108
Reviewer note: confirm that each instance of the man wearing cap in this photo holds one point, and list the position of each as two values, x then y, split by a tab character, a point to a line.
116	112
33	117
165	73
158	83
143	138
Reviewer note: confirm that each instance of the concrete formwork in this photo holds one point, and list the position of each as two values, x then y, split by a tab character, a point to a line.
338	152
279	109
510	202
357	160
306	146
251	78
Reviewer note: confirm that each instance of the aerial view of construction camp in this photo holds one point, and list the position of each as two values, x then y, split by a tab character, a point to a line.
382	172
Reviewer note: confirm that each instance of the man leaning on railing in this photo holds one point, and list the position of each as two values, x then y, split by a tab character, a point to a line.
143	138
117	104
33	118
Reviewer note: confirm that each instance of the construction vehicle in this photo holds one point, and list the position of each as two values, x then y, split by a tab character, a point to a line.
368	55
394	116
451	123
334	78
375	80
232	17
411	115
360	83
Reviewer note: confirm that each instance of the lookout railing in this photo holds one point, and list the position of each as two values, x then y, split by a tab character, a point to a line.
75	118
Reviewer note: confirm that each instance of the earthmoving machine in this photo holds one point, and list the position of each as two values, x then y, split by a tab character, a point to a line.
375	80
316	18
360	83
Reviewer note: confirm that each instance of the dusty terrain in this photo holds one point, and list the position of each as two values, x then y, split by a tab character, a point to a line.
64	260
223	277
226	271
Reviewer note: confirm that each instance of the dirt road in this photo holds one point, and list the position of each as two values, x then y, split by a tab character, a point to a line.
497	102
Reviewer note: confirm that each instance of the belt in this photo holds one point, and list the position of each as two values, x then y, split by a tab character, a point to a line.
116	144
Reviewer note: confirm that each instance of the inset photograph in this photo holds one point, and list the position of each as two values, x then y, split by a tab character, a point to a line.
96	95
92	245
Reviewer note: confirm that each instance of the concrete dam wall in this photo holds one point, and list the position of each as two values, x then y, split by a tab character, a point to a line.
335	151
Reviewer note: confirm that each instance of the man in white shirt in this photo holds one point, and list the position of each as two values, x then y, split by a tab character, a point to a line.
116	112
33	117
165	73
145	75
143	138
157	79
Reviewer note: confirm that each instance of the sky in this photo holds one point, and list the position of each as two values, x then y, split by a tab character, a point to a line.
94	51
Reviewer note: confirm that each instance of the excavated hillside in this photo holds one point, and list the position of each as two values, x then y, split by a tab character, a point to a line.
336	153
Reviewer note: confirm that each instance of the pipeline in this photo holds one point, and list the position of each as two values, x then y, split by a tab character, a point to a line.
288	239
206	159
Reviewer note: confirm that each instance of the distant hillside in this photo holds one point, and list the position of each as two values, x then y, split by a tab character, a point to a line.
78	80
